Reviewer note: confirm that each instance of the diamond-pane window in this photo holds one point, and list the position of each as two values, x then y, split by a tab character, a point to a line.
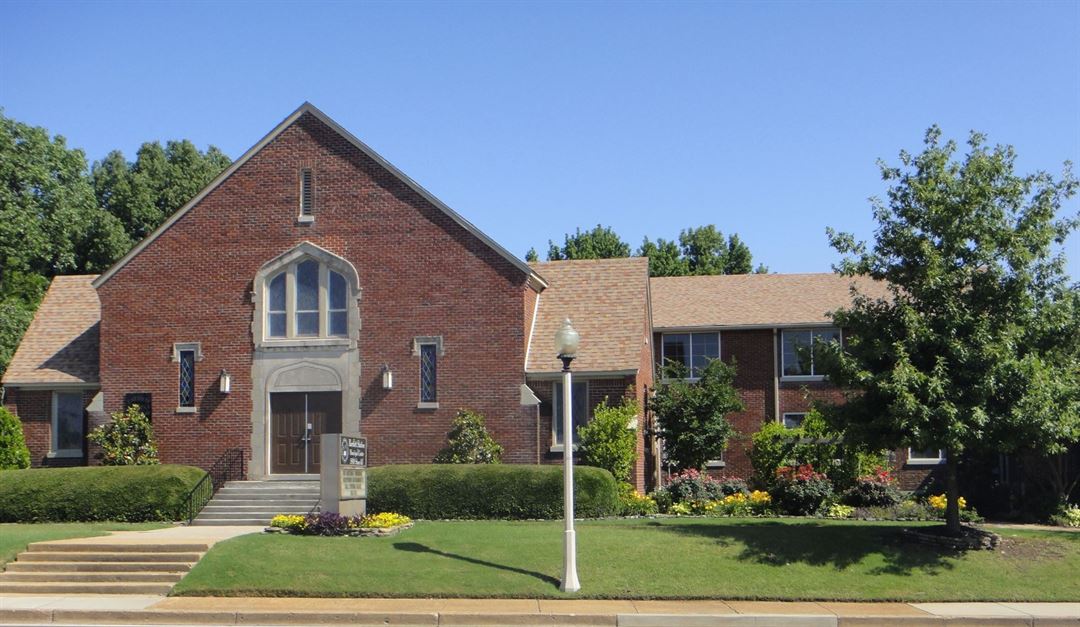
187	378
428	356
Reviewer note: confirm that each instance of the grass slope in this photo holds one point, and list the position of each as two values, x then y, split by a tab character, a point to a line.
645	558
14	537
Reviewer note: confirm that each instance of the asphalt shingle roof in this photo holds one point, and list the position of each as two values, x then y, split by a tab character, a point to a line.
607	302
753	299
61	344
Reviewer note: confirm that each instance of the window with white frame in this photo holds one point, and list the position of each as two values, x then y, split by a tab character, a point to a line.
799	348
793	420
307	300
67	424
927	457
693	350
579	393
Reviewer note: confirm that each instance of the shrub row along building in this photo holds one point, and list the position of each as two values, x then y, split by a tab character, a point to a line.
313	287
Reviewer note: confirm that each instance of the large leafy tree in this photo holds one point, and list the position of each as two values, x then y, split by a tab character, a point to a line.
977	349
599	243
143	193
691	416
50	223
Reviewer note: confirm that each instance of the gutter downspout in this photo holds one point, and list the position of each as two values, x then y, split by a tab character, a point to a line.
776	374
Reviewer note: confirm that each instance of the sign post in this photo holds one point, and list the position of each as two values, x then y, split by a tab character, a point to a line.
343	478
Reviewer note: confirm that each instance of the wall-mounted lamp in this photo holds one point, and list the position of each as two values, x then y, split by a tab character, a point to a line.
225	381
387	378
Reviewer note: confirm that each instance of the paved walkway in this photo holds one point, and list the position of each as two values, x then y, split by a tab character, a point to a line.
116	609
168	535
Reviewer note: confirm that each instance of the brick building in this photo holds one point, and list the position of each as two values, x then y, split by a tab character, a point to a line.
313	287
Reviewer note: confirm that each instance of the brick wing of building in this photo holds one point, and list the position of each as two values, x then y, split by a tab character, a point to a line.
313	287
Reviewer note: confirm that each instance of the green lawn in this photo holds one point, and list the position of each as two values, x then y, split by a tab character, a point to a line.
644	558
14	537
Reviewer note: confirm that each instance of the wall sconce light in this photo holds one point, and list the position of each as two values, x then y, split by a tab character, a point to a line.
387	378
225	381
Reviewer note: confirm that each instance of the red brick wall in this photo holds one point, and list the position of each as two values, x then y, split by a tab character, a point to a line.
753	351
420	272
34	410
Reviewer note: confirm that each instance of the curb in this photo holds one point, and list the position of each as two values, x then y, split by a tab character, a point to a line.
435	619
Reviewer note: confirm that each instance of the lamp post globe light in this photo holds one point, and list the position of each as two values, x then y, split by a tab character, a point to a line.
566	345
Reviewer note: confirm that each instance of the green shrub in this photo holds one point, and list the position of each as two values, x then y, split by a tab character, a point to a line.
608	441
128	440
874	490
435	491
632	503
121	493
469	442
775	446
800	491
13	451
1066	516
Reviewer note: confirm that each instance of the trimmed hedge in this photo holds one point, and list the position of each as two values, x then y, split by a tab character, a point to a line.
435	491
120	493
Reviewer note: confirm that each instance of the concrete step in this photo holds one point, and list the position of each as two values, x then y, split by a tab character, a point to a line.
103	547
58	577
103	567
264	521
228	510
26	587
227	499
120	556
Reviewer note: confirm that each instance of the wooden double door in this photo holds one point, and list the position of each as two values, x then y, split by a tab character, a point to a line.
297	420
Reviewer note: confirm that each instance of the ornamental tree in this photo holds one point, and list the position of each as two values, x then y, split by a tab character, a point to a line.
691	416
128	440
469	442
977	347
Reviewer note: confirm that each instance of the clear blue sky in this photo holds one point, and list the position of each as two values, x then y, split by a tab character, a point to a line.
532	119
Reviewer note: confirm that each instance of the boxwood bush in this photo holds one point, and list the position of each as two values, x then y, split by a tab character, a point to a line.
435	491
122	493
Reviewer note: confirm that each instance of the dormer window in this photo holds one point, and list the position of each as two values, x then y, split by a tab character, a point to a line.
307	300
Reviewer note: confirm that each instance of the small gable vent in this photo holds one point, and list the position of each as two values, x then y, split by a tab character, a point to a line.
307	192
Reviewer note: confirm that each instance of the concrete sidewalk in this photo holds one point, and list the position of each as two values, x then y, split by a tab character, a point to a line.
116	609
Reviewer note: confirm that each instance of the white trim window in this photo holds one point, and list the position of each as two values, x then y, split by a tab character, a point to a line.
579	416
307	300
799	348
926	457
794	420
693	350
67	424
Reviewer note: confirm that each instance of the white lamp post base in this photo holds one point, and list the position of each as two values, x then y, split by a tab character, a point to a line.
569	578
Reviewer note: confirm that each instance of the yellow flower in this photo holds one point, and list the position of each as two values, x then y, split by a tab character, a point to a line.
385	520
760	497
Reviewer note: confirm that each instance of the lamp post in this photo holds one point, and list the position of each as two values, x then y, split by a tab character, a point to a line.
566	344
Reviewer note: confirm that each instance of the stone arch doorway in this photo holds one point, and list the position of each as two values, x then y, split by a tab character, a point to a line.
304	399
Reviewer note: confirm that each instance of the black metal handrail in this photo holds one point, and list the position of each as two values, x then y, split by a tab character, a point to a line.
228	467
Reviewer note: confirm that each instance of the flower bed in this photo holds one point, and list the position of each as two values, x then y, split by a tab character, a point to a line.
334	524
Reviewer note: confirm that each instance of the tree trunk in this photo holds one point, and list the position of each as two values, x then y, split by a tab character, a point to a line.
952	494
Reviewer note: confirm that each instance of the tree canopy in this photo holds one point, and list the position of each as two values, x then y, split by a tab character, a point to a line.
699	250
56	217
977	349
599	243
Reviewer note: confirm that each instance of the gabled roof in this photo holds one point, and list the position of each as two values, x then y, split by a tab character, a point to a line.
535	280
753	300
606	300
61	344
